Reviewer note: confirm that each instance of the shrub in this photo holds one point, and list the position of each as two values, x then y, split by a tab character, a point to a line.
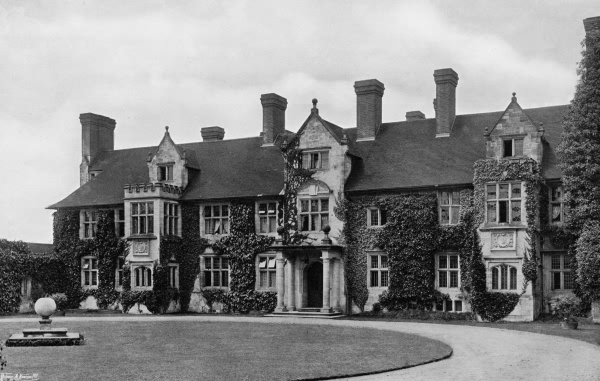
61	301
212	295
376	308
567	307
588	261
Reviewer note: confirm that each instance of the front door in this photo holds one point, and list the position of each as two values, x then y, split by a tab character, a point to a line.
314	279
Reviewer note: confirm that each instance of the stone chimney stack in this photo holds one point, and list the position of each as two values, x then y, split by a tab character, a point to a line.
273	117
97	135
445	100
369	94
414	115
212	134
592	26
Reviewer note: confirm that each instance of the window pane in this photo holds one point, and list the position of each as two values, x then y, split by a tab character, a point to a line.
225	211
454	214
374	261
94	263
225	227
495	278
207	263
224	263
443	278
508	148
458	306
272	278
216	263
263	279
383	214
304	206
448	305
445	200
94	278
324	160
150	224
384	261
555	262
557	194
456	198
453	278
454	261
503	212
216	211
503	278
491	192
313	222
556	280
515	212
225	278
444	215
491	211
216	279
518	147
568	280
374	217
262	209
207	211
443	262
324	205
142	221
142	208
374	279
305	226
272	263
556	213
86	277
515	190
384	279
262	264
324	220
134	208
264	225
272	208
513	278
566	262
314	205
272	224
503	191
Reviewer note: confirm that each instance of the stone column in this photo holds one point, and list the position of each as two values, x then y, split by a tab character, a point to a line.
326	284
336	284
280	283
290	290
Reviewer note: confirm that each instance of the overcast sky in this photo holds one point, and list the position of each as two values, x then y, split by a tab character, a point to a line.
192	64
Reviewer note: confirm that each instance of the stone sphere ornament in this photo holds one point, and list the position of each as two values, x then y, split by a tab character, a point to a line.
45	307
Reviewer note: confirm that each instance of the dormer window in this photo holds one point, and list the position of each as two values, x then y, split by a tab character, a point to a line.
165	172
513	147
315	160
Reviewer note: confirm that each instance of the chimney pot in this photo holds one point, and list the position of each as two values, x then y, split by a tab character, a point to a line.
446	81
414	115
212	134
592	26
273	116
369	94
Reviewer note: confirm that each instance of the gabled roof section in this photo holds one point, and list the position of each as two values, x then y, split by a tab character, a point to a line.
505	115
334	130
166	140
230	169
407	155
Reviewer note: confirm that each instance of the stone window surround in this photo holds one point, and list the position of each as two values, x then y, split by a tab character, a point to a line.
164	171
562	270
271	269
322	160
379	269
493	265
171	219
89	261
447	269
136	218
560	203
319	214
173	269
453	206
453	303
258	216
90	223
513	138
136	270
498	199
203	269
203	219
381	217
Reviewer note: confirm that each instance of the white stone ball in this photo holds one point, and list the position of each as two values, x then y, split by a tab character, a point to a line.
45	306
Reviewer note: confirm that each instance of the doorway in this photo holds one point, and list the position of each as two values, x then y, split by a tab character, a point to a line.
314	280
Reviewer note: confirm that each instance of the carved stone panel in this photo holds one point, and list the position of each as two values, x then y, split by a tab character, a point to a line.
141	247
503	241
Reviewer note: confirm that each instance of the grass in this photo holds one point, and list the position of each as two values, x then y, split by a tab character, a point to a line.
211	350
587	331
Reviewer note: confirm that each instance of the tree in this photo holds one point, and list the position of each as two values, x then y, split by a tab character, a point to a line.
579	154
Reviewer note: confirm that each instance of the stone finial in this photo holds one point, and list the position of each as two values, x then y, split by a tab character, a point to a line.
314	109
344	139
167	129
485	132
514	97
326	240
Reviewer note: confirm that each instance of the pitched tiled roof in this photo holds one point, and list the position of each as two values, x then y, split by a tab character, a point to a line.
404	155
229	168
40	248
408	155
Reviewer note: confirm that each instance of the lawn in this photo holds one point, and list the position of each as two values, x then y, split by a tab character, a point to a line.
211	350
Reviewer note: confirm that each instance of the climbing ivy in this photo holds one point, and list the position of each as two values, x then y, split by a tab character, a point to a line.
241	247
294	176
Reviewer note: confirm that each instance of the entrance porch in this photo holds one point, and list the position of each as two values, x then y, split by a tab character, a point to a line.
309	279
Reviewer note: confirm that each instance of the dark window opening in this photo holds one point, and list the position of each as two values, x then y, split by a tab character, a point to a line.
508	148
503	215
